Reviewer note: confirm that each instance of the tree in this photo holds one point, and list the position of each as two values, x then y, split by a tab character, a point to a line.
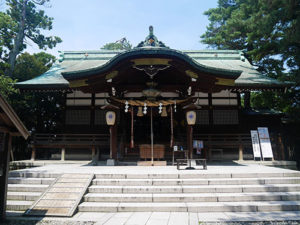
7	30
39	111
7	86
269	31
121	44
30	23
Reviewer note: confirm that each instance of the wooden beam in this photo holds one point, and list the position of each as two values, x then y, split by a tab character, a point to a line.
13	118
6	147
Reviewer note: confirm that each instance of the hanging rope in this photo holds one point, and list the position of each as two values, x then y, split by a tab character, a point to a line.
132	135
172	128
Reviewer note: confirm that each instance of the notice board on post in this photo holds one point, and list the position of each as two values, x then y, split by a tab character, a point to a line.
255	144
265	142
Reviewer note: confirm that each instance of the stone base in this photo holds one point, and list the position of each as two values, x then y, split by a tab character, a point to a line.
149	163
110	162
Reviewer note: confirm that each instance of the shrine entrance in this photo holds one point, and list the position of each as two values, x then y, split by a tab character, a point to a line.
136	133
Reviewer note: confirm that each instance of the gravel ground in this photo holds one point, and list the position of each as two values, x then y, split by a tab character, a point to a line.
53	222
46	222
255	223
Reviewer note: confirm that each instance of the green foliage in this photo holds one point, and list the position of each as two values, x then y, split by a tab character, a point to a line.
35	22
269	31
7	31
33	65
20	23
122	44
7	86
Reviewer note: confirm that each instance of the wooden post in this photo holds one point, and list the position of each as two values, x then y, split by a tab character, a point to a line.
63	154
93	153
4	162
113	141
241	154
282	156
33	153
247	104
209	148
241	149
190	141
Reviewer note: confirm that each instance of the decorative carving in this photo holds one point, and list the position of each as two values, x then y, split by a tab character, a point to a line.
151	70
151	41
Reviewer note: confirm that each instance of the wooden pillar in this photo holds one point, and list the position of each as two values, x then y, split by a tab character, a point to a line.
241	154
247	103
282	156
4	163
241	149
33	153
93	153
113	141
190	141
63	154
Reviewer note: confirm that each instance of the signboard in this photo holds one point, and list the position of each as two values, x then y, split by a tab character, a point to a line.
198	144
175	148
265	143
255	144
263	133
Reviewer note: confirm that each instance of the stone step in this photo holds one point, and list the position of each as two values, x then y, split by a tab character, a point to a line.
195	189
190	207
193	197
14	205
32	174
196	181
62	197
23	196
27	187
194	174
21	180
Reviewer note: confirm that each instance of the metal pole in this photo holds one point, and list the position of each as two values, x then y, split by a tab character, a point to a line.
152	160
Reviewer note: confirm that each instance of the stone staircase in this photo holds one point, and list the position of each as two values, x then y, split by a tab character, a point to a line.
25	188
193	192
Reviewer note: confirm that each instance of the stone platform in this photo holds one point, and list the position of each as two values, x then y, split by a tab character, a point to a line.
132	192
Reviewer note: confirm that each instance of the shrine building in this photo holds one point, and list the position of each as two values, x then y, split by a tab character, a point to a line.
137	104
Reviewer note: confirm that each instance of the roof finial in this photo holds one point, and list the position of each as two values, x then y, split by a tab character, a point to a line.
151	30
151	41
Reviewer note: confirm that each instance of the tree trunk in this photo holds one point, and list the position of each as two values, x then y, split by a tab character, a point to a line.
18	41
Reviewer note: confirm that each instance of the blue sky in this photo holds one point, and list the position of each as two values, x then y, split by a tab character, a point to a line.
89	24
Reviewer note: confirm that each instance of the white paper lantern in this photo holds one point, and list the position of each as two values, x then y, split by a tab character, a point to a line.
110	118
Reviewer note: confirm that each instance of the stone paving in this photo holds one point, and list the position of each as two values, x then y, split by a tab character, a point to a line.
233	168
166	218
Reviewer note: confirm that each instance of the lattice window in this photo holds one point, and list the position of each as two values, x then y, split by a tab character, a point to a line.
100	117
224	117
78	117
202	117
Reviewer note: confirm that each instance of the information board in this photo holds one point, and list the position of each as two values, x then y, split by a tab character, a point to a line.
265	143
255	144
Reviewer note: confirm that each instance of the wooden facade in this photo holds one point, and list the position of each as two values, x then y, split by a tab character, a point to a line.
10	125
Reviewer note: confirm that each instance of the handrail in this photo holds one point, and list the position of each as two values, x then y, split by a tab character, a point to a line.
74	139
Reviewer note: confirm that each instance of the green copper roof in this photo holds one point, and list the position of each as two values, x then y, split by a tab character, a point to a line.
73	65
51	79
84	69
82	63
